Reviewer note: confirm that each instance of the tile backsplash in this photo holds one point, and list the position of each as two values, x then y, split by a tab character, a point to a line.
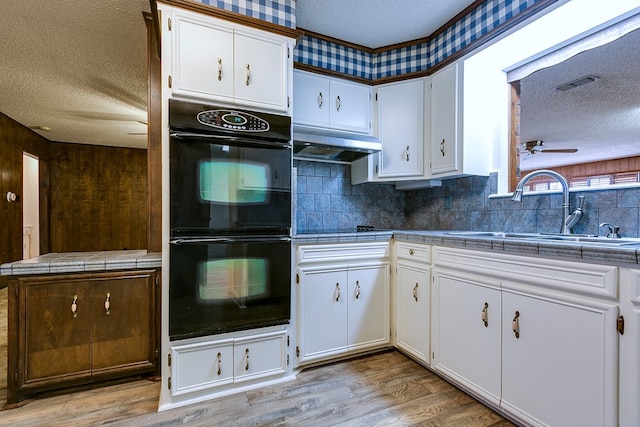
327	202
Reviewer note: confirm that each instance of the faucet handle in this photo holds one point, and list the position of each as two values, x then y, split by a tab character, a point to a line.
614	230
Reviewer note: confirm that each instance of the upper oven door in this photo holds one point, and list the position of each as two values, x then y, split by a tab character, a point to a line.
228	186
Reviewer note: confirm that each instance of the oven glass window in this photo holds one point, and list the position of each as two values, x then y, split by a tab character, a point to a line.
235	182
234	279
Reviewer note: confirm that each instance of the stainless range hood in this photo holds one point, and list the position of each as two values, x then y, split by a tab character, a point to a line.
332	146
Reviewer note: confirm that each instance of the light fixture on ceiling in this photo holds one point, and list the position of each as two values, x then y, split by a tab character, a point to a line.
576	83
42	128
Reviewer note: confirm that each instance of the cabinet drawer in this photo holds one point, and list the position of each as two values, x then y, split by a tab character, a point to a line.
201	366
256	357
415	252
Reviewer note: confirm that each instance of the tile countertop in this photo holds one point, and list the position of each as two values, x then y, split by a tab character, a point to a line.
71	262
544	248
77	262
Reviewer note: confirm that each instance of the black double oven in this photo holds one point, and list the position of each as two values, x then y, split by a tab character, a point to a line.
230	219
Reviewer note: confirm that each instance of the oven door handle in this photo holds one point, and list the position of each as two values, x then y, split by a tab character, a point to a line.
227	139
231	239
203	240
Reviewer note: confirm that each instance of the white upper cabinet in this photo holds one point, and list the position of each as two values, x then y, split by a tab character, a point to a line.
331	103
446	119
453	152
214	60
401	124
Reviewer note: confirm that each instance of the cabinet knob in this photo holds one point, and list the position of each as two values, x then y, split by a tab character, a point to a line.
248	75
107	304
415	292
74	306
515	324
410	251
485	315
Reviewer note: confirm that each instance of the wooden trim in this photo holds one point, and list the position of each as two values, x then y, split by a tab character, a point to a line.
330	39
514	136
154	140
234	17
324	72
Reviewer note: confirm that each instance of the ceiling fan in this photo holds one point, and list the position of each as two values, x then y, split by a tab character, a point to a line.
533	147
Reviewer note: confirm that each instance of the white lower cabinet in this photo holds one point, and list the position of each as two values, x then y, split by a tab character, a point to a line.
467	320
206	365
413	300
630	348
539	340
559	360
343	299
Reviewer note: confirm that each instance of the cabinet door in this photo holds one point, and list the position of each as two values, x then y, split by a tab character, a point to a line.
323	319
467	328
260	70
445	87
368	296
57	336
202	58
401	129
349	106
572	341
259	356
201	366
311	99
122	326
413	299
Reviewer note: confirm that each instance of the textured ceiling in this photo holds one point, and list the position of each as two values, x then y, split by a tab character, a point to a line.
77	67
600	119
376	23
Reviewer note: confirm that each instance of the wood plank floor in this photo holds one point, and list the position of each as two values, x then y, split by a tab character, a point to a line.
384	389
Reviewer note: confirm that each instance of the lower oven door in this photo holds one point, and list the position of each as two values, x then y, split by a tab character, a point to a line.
228	284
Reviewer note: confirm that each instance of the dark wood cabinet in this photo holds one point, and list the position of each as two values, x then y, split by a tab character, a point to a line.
75	329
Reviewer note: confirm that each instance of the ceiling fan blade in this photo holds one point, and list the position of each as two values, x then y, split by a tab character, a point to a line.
558	150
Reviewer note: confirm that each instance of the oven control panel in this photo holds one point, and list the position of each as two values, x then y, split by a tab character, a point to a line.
233	120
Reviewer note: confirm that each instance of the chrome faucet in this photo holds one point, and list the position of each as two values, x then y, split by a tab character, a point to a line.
614	230
517	194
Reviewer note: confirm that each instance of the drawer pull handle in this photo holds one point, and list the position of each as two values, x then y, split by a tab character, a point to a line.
219	69
515	325
246	358
415	292
337	291
107	304
320	100
74	306
338	104
406	151
219	364
410	251
248	75
357	289
442	148
485	315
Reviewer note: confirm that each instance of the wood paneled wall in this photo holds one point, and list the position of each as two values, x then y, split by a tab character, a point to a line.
14	140
603	167
98	198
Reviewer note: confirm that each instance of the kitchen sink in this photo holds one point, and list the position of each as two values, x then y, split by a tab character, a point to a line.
572	238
